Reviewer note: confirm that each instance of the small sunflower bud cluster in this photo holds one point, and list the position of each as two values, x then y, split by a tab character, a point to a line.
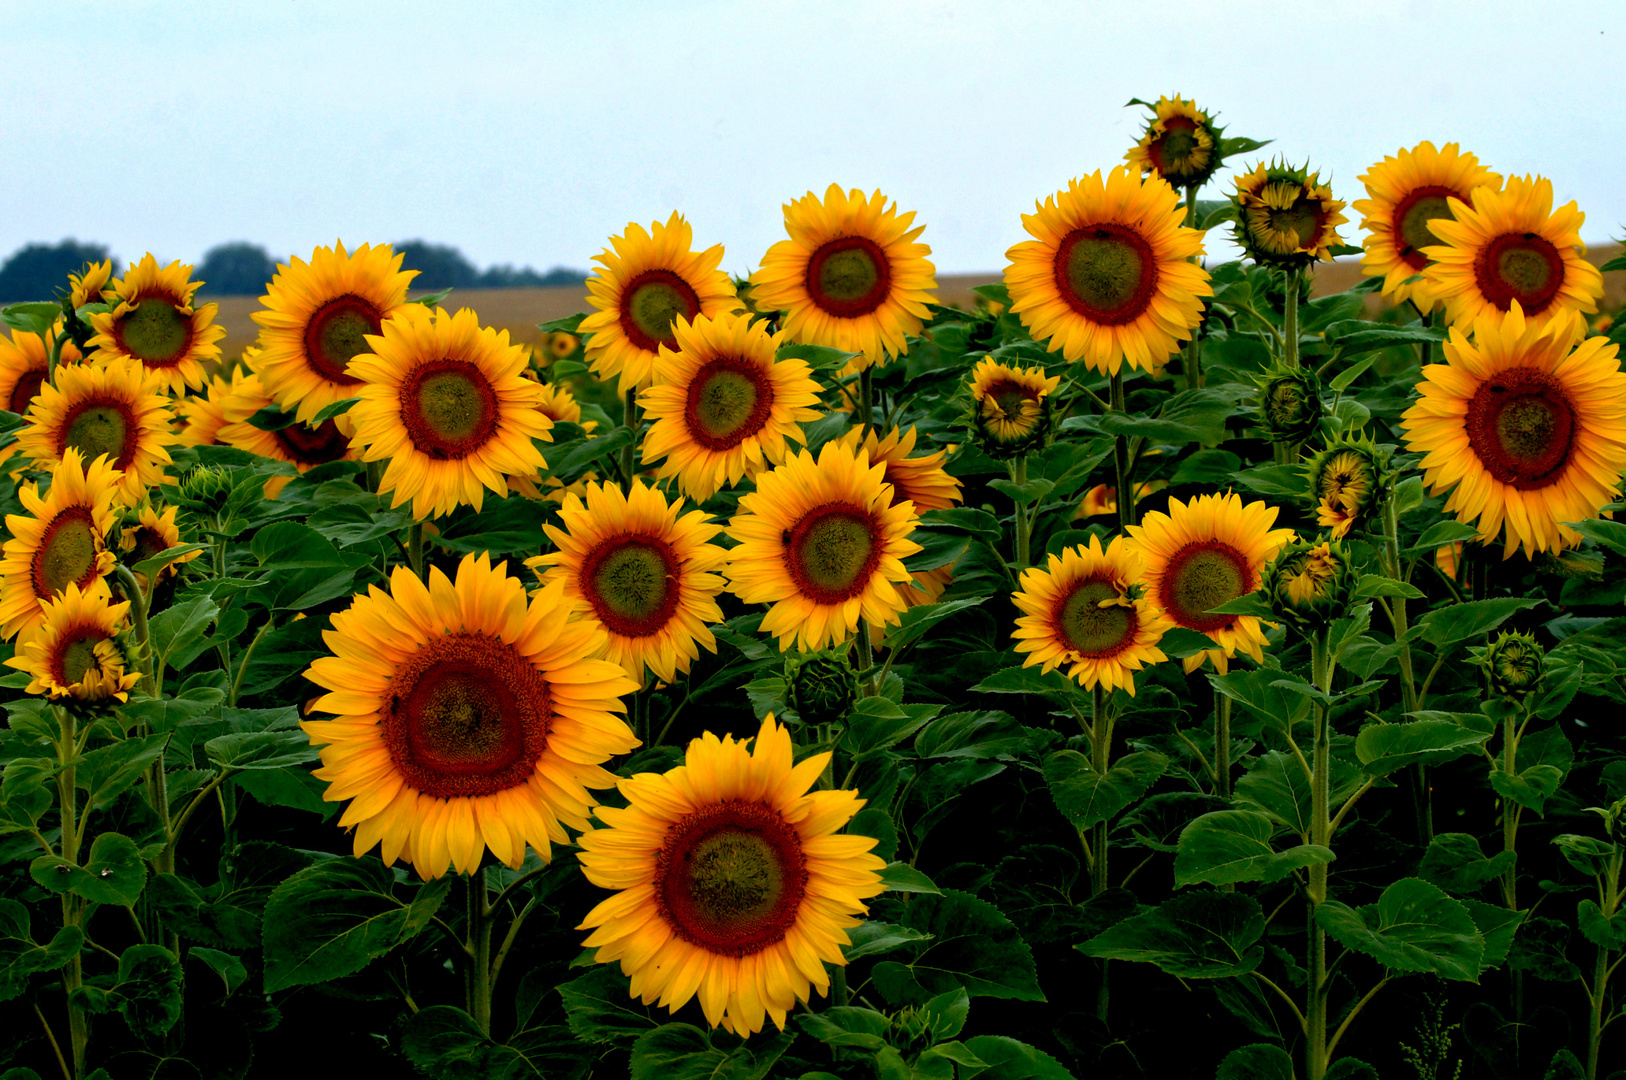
1512	665
1290	405
1348	483
820	686
1310	583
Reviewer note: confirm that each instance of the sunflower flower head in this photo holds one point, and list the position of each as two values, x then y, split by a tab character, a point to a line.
1290	406
1010	408
1348	480
1513	665
1310	583
154	323
89	286
151	533
1181	143
1286	217
821	686
60	541
78	654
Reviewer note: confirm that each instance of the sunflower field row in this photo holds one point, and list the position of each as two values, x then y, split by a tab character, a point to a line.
1154	670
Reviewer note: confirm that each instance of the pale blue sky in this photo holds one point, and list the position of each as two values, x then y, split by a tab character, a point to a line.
528	133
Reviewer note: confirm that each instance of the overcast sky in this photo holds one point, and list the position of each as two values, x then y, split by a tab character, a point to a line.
527	133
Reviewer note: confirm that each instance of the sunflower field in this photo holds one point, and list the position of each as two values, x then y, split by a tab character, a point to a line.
1153	669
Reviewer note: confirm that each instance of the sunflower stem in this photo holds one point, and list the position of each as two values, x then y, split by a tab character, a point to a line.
1101	748
1320	827
138	619
479	946
1510	809
1120	461
72	906
866	399
1290	320
415	548
1024	524
242	665
1222	745
1390	550
629	420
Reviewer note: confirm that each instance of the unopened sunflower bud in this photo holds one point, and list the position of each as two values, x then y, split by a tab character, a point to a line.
1348	483
1180	144
1310	583
1010	408
206	488
820	686
1286	217
1289	403
1512	665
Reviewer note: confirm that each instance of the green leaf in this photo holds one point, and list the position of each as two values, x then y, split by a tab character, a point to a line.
1010	1059
1414	926
445	1043
148	993
1189	416
917	620
1234	845
107	771
1027	680
260	750
1343	379
684	1052
576	458
873	937
1241	144
115	873
1256	1061
1374	585
328	412
937	550
1544	760
1279	480
1587	854
1600	929
1193	935
148	567
272	418
20	957
176	631
600	1007
570	324
1087	797
37	317
1472	619
818	357
967	519
1431	739
1440	534
1354	336
1253	603
1456	864
1617	263
848	1025
901	877
230	968
1022	494
1497	926
1611	534
971	944
331	919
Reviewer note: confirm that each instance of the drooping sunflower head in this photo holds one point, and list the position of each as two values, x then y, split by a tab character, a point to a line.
1203	554
1180	144
824	543
1286	217
1512	664
154	323
1524	427
1349	479
722	406
821	686
852	276
644	283
1511	247
445	401
1010	407
467	719
61	541
645	572
921	480
732	882
110	408
1310	583
89	286
1407	193
1105	278
1290	405
317	318
152	534
304	446
558	404
74	653
1079	612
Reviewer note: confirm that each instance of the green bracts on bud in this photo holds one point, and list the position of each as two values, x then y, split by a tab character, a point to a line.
1512	665
1289	403
820	686
205	488
1310	583
1348	482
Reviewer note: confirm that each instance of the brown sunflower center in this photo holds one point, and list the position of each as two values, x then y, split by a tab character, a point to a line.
729	401
155	332
832	552
1414	215
96	427
632	583
1177	153
1521	426
337	332
731	878
465	715
1520	266
307	445
1300	222
1091	629
76	655
24	390
849	277
1202	576
66	553
1107	273
1010	396
651	302
449	408
148	542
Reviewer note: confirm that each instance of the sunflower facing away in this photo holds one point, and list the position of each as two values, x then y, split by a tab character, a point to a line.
304	446
722	406
89	286
824	543
61	541
1077	611
467	718
110	408
72	652
918	480
646	576
1408	193
1512	246
1525	428
444	400
648	282
852	276
1179	144
154	323
1205	553
731	881
318	315
24	361
1287	217
1010	406
153	534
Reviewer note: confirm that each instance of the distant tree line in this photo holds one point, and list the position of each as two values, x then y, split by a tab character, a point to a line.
39	271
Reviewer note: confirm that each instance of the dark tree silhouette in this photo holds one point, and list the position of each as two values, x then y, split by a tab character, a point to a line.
235	269
439	266
40	271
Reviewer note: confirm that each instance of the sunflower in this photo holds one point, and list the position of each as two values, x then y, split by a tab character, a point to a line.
1408	193
25	362
919	480
468	718
1179	144
1525	427
1512	246
62	541
443	399
89	286
200	417
722	406
1078	611
850	277
108	408
1105	278
154	323
644	574
1286	217
1347	484
650	281
318	315
1010	406
824	543
561	344
304	446
1205	553
730	880
558	404
153	534
1103	498
73	652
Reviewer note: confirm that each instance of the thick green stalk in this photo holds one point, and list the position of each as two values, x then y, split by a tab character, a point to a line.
1290	320
1101	748
479	946
1422	793
1510	809
1024	523
1315	1015
1609	901
138	619
866	399
1120	461
629	420
1222	745
72	906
